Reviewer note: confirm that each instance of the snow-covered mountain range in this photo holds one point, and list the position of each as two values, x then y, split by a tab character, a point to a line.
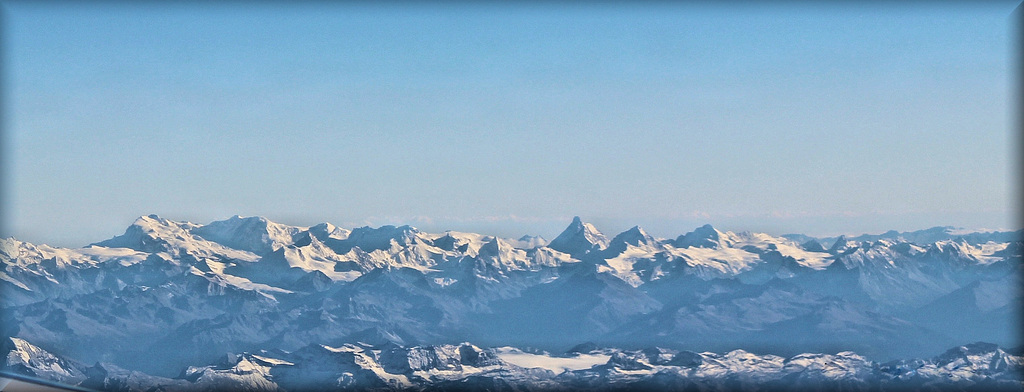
165	302
361	366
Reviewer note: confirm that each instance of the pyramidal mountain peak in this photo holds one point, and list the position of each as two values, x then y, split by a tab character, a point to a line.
491	247
326	230
841	245
579	238
813	246
634	236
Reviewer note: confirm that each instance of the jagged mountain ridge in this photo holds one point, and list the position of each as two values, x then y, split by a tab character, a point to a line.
248	283
362	366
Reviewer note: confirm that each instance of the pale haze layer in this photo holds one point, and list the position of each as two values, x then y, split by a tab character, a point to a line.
509	119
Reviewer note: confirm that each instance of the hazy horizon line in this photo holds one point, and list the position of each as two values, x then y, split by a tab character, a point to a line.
541	226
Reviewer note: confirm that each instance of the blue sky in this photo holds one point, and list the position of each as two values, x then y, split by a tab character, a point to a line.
509	119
